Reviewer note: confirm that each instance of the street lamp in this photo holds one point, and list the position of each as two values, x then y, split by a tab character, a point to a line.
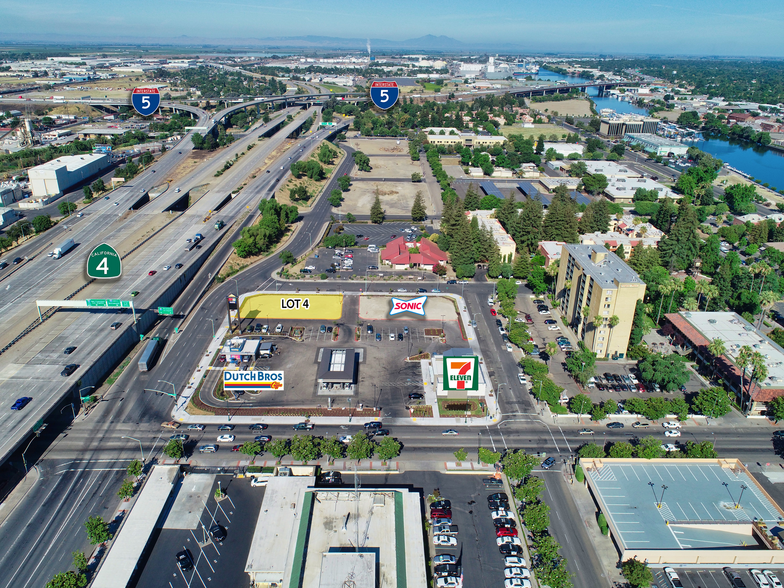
24	461
174	394
140	445
212	320
73	411
238	291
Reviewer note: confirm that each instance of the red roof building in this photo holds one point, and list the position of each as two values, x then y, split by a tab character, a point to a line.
398	254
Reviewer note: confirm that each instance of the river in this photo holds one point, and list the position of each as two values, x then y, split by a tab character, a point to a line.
766	165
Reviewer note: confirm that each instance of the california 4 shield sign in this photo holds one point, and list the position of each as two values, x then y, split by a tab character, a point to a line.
145	100
461	373
384	94
414	306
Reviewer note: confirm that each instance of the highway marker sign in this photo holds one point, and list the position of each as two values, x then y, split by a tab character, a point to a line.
145	100
104	263
384	94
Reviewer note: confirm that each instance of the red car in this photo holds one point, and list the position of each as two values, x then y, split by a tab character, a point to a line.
236	448
493	312
152	272
641	388
440	513
506	532
366	239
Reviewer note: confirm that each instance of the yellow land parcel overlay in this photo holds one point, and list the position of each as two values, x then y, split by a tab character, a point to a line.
292	306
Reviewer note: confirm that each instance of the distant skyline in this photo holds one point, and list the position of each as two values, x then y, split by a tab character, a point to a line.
696	27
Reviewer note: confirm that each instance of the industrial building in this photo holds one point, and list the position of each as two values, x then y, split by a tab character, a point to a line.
10	192
690	512
7	216
591	277
621	124
693	331
657	145
56	176
337	537
506	245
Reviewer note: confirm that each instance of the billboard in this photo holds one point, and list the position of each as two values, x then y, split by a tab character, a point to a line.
461	373
413	305
253	381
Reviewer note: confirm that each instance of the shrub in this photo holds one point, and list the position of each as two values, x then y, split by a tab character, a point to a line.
602	523
578	474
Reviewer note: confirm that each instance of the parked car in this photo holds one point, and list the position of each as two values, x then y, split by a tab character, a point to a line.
510	549
445	570
444	558
517	573
506	532
440	513
734	578
514	561
444	540
184	560
501	514
508	541
671	425
441	504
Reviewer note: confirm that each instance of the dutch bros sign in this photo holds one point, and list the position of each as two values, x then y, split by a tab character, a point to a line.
384	94
145	100
255	381
461	373
414	306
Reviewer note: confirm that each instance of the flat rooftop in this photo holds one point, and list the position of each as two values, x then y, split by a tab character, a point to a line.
609	272
652	139
699	495
610	169
736	332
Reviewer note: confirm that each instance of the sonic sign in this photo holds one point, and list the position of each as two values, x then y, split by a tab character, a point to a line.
461	373
413	305
255	381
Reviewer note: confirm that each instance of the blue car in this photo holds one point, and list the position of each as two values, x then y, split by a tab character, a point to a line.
21	403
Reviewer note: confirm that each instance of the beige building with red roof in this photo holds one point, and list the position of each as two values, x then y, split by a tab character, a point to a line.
423	254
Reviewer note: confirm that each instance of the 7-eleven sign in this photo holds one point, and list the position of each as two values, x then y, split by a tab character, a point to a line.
461	373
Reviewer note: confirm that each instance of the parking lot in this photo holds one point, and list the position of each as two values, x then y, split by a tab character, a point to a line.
378	235
476	551
323	260
706	578
212	560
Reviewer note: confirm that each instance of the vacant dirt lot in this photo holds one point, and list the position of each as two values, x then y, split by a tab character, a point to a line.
389	167
371	147
577	107
396	197
377	308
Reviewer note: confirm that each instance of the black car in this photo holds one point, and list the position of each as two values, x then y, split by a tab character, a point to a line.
507	549
510	523
548	463
615	425
18	260
69	369
498	323
442	504
381	433
370	329
184	560
498	505
451	281
400	336
177	265
734	578
217	532
445	570
3	264
416	396
258	427
69	350
330	270
421	290
498	496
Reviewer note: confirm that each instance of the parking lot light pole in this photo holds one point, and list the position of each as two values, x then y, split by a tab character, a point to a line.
742	488
662	496
140	445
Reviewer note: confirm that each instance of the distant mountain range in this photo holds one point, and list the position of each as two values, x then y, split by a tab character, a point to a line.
429	43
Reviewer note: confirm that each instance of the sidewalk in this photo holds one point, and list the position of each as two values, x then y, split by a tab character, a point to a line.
180	414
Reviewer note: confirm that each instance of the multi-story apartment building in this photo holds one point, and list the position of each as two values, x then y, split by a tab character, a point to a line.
594	286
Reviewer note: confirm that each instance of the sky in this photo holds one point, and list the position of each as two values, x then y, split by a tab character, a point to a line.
665	27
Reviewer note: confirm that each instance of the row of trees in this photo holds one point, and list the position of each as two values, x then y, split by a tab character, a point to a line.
649	447
264	235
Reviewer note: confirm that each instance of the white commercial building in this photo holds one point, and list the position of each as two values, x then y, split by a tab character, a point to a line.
610	169
657	145
623	189
10	192
56	176
7	216
564	149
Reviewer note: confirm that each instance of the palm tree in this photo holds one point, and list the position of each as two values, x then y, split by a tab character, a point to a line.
642	230
753	270
759	371
716	348
691	304
764	269
552	271
701	288
551	348
742	361
678	285
767	299
664	290
612	323
711	292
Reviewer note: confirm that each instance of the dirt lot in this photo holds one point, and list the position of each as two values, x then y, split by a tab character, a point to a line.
314	188
377	307
390	167
576	107
371	147
396	197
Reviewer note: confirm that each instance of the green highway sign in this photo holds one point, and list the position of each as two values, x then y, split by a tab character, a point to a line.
107	303
166	311
104	263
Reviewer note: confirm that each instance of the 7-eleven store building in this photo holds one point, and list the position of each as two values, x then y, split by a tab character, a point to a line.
457	373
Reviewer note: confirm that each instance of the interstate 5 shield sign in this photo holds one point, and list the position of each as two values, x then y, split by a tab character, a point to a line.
145	100
384	94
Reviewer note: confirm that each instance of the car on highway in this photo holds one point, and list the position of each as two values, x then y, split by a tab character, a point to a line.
177	265
671	425
548	463
196	427
226	428
444	541
262	438
585	432
152	272
303	426
69	369
669	447
166	267
672	433
449	432
69	350
208	448
170	425
184	560
21	403
17	260
3	264
225	438
258	427
179	437
444	558
615	425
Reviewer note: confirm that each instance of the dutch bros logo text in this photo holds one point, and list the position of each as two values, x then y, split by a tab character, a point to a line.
414	306
253	380
460	373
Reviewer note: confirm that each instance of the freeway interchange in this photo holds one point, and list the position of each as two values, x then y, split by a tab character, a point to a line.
80	460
